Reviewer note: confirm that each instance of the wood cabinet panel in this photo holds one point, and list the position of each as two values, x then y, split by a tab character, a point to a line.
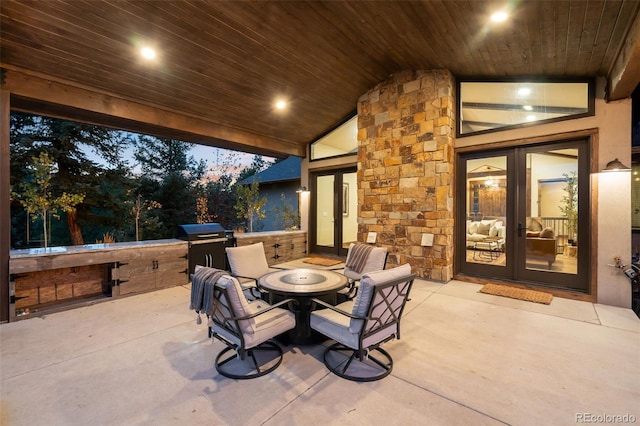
151	268
46	279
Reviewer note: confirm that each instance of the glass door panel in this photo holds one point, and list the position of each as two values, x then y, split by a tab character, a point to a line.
486	207
325	211
551	220
553	215
349	211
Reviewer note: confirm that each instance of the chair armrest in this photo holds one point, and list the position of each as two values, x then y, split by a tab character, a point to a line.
242	276
340	311
262	311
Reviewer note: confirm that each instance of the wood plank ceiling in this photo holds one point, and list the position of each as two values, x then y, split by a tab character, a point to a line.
221	65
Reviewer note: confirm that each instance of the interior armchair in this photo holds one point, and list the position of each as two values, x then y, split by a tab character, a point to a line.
361	259
361	325
249	263
246	328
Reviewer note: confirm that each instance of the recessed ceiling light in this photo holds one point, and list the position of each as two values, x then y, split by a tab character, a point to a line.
500	16
281	104
524	91
527	107
148	53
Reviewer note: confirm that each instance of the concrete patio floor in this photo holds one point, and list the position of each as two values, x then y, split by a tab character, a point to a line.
464	358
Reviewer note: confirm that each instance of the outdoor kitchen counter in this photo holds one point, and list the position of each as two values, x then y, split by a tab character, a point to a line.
39	259
42	279
279	246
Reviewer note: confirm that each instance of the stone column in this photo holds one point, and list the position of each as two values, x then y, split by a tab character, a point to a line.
405	169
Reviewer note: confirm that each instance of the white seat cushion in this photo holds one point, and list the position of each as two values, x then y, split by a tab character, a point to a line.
248	261
260	328
367	285
345	330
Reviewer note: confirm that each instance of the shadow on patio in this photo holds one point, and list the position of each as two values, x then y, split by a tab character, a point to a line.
464	358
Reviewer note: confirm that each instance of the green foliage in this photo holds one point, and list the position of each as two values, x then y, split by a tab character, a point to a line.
569	202
36	195
160	158
66	144
249	206
121	199
286	215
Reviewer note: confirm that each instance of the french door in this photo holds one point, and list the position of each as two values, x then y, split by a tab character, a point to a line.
334	211
525	214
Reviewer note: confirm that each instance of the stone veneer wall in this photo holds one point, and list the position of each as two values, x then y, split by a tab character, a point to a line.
405	169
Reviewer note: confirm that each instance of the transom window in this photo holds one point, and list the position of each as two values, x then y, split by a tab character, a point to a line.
488	106
343	140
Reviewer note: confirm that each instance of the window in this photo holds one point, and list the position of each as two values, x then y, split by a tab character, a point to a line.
489	106
341	141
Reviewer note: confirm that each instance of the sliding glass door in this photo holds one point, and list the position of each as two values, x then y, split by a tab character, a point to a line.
525	212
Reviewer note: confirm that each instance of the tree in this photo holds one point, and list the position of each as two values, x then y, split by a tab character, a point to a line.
258	164
67	144
286	214
139	207
161	157
249	206
37	197
175	178
569	203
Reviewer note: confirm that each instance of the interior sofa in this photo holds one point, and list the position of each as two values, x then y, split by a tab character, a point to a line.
541	242
479	233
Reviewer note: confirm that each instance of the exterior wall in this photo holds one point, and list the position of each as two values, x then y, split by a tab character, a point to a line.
405	169
613	190
401	228
273	192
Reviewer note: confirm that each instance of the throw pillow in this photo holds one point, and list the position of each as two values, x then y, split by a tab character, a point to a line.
547	233
484	228
473	227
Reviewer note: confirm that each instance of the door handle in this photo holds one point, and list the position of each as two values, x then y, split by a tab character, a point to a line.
520	229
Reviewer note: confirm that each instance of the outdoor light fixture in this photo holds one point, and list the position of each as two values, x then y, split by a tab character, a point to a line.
616	166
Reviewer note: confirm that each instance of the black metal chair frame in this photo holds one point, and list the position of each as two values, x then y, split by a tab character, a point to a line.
224	317
390	317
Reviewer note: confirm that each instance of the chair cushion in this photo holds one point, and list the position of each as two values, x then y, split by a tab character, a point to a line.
238	302
375	262
262	327
248	261
269	325
335	325
367	285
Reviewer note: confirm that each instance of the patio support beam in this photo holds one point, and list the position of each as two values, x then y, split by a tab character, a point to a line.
46	96
5	209
625	74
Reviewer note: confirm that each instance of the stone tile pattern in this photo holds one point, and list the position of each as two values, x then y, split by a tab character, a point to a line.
405	169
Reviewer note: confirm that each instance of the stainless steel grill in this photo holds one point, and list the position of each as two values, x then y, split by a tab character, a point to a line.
207	242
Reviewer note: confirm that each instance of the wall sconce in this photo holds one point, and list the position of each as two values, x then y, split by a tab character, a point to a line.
301	189
616	166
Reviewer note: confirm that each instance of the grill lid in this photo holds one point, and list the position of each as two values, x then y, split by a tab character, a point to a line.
200	231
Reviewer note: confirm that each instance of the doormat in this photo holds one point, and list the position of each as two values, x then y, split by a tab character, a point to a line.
517	293
322	261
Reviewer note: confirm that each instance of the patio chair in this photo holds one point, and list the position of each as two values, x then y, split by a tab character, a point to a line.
360	326
361	258
248	264
247	329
